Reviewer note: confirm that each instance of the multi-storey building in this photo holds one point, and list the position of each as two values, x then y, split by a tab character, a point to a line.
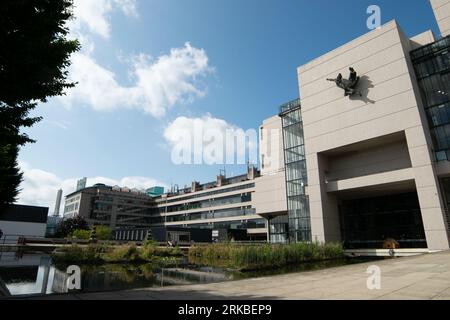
227	203
359	168
372	164
112	206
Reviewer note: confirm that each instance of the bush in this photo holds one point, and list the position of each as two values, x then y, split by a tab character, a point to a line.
262	256
81	234
103	233
106	252
124	253
75	253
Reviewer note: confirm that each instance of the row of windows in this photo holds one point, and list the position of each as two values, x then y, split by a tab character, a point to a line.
248	224
435	65
436	89
211	193
208	203
72	200
237	212
430	49
71	207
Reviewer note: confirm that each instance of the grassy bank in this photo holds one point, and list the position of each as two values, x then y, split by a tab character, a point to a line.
256	257
106	253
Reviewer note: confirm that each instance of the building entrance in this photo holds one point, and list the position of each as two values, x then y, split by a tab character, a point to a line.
367	223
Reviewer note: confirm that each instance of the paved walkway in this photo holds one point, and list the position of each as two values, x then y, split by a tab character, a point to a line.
420	277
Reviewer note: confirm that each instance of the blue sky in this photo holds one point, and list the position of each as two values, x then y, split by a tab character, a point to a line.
229	63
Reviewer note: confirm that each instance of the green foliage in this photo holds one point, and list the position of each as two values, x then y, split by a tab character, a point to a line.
76	253
67	226
262	256
124	253
81	234
150	243
34	56
103	233
106	252
9	173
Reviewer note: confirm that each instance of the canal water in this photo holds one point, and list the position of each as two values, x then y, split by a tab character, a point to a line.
35	274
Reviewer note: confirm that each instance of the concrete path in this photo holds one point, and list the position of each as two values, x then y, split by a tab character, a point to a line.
421	277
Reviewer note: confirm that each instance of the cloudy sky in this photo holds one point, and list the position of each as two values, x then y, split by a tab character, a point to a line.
152	69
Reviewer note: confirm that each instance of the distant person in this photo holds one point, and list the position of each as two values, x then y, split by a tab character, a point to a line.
1	233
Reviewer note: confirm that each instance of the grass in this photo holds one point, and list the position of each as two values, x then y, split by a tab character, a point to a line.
107	253
256	257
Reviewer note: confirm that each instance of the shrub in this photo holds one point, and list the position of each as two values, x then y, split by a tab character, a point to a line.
103	233
124	253
262	256
75	253
81	234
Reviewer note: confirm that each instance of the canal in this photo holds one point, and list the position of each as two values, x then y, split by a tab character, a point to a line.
35	274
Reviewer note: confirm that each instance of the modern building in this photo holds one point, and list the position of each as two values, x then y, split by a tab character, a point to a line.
227	203
111	206
359	166
372	164
236	206
58	202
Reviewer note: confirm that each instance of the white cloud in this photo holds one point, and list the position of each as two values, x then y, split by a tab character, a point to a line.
209	140
96	14
171	79
39	187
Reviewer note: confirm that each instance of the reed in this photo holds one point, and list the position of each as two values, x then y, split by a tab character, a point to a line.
254	257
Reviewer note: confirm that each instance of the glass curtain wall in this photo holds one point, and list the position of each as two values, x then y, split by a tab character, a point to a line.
299	225
432	67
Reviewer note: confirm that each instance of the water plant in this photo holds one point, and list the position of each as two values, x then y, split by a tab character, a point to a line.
107	252
254	257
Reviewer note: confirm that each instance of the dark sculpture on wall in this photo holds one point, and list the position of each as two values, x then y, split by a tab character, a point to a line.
349	85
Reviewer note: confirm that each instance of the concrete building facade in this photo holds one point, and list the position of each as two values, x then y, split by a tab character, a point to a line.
441	10
110	206
376	162
227	203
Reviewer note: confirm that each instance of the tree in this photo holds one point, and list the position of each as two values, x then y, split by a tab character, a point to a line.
34	56
68	226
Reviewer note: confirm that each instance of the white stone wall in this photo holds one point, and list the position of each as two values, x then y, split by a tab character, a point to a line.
441	10
390	104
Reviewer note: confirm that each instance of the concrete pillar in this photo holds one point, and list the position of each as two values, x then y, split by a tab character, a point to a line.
428	191
324	211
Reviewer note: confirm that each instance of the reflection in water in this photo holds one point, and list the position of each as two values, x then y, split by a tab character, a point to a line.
35	274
